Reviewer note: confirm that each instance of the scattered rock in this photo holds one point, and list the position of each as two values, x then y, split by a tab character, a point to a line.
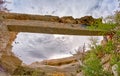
87	20
105	58
10	63
68	19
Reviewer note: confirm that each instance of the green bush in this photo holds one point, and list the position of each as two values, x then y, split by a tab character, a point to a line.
113	59
109	47
99	50
93	67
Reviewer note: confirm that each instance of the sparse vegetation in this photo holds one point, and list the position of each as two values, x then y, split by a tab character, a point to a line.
98	25
92	67
92	62
28	71
117	17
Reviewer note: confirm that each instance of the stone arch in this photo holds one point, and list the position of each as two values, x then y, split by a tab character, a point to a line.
8	60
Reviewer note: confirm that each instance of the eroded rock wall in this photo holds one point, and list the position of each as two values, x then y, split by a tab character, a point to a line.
7	59
4	36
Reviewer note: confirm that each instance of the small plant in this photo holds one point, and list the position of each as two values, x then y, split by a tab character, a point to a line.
95	48
93	42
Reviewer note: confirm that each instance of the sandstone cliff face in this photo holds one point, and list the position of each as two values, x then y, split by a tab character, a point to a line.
68	66
7	58
4	36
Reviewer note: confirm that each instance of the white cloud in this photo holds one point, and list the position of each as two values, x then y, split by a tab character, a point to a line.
35	47
76	8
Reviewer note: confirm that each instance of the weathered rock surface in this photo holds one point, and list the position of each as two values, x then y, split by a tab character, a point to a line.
105	61
7	58
4	36
68	19
57	62
88	20
63	70
9	62
68	66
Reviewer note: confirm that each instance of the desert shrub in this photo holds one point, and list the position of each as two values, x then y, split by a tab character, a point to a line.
99	49
28	71
93	42
115	58
22	71
92	61
92	66
109	47
95	48
107	73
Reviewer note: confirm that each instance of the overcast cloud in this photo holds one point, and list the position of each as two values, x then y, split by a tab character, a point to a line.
36	47
76	8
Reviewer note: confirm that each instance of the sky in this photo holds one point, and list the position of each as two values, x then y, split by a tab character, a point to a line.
32	47
75	8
